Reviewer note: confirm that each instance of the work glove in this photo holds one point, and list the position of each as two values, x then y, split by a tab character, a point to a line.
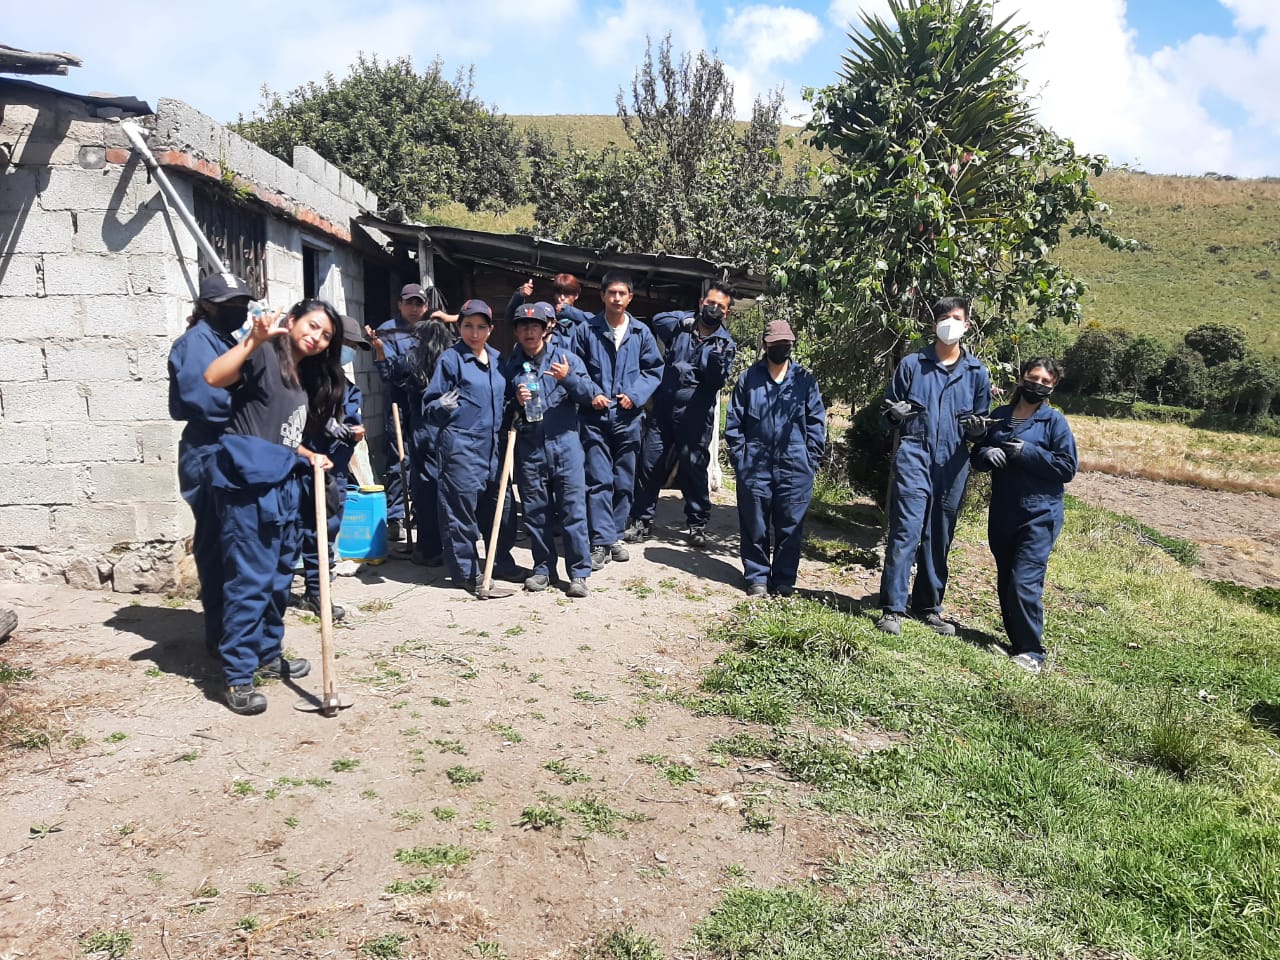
339	431
993	457
896	411
688	325
450	400
1013	448
974	426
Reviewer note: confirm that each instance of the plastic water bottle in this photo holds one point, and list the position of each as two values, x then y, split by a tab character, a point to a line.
533	406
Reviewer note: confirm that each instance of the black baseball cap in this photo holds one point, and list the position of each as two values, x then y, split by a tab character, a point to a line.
221	287
473	307
541	312
412	291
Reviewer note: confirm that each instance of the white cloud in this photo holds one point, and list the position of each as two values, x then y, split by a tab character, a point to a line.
768	34
616	41
846	15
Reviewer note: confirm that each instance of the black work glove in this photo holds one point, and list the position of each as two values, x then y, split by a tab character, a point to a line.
993	457
339	431
1013	448
974	426
896	411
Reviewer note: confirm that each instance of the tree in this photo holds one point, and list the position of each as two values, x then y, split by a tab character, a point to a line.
1216	342
1093	361
1140	365
940	180
692	182
412	138
1246	386
1183	379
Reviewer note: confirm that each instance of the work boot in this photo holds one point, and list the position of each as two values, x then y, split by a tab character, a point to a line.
618	553
577	588
637	532
757	590
310	603
698	536
282	669
937	624
890	623
599	557
395	531
245	700
537	583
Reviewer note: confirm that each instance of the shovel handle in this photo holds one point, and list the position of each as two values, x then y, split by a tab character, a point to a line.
326	605
486	582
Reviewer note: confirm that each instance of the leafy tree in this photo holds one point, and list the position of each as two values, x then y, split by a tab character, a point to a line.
1216	342
1140	365
1183	381
1246	386
692	181
940	180
413	138
1093	361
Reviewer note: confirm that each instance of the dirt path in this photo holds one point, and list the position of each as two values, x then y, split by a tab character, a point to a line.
1238	533
203	834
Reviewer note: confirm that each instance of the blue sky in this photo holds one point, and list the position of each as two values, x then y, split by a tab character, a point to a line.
1167	86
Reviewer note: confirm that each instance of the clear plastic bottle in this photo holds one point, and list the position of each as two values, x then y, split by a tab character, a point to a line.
533	408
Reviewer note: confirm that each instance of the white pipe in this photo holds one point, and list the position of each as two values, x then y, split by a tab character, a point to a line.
140	146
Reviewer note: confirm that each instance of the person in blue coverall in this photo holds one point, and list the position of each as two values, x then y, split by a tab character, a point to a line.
937	400
625	368
550	467
565	290
221	309
1031	453
337	440
433	338
699	357
465	402
776	432
391	343
281	376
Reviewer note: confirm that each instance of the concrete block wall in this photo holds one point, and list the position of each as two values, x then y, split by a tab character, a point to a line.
96	281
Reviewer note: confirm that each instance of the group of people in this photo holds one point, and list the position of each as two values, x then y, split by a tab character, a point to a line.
600	413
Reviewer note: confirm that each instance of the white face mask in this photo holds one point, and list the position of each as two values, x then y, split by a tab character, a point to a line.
950	330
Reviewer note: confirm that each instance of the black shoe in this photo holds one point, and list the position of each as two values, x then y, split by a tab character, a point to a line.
537	583
599	557
618	553
698	537
577	588
783	591
937	624
638	531
395	531
757	590
311	603
422	560
890	623
511	574
243	699
282	669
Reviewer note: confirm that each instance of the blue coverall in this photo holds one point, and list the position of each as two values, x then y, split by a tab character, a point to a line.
776	434
205	410
929	473
611	437
567	317
468	450
1026	515
426	487
397	340
340	452
550	466
679	429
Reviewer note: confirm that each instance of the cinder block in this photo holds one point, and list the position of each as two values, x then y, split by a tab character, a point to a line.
150	315
43	402
85	273
39	483
94	442
89	360
133	482
85	525
159	441
22	362
40	318
151	358
128	401
19	276
27	526
145	231
166	520
181	125
23	443
44	232
20	188
71	188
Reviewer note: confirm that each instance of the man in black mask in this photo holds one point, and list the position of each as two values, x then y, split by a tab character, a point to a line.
221	309
699	358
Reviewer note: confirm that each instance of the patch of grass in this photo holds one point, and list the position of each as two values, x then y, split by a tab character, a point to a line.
110	943
461	776
407	818
489	950
450	746
589	696
508	733
153	672
565	773
638	587
318	782
248	924
191	756
117	737
374	606
444	814
637	721
257	888
440	702
597	816
429	858
413	887
624	944
243	788
386	947
344	765
1266	599
539	816
291	822
483	826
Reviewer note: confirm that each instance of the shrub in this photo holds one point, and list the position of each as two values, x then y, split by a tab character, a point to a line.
1093	362
1216	342
1183	379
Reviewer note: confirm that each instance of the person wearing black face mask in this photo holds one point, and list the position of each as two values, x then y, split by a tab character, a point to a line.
1031	454
776	431
220	311
699	357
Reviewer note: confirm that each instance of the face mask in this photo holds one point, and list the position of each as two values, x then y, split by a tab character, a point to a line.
348	355
229	317
778	353
712	315
950	330
1034	392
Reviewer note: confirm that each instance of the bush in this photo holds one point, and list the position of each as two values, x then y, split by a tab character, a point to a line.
868	448
1093	362
1183	379
1141	366
1217	343
1245	387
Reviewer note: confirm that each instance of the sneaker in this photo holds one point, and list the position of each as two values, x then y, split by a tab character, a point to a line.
890	623
1030	662
282	669
619	553
698	537
637	532
311	604
577	588
243	699
935	623
537	583
395	531
757	590
599	557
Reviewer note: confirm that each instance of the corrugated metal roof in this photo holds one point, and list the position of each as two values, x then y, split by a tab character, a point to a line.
128	105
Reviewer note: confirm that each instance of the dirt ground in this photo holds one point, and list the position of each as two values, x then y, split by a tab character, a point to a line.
205	834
